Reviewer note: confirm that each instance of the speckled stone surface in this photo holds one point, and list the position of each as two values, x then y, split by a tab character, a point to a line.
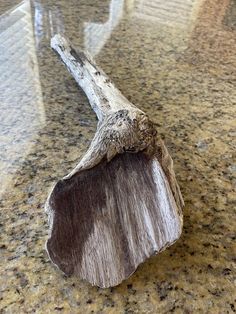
180	69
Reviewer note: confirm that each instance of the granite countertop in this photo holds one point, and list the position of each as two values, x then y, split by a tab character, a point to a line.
175	60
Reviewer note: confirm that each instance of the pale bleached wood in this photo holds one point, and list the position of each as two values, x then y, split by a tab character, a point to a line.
122	126
137	210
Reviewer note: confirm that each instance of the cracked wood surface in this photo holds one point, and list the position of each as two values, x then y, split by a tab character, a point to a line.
121	203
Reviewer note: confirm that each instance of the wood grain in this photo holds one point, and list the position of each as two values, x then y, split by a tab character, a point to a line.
109	219
121	203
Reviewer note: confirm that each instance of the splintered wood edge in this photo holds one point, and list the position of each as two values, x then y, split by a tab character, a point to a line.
122	126
178	218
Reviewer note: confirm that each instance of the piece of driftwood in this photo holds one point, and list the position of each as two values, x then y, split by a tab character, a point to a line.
121	203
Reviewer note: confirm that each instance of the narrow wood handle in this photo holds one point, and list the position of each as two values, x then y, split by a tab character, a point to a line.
123	127
103	96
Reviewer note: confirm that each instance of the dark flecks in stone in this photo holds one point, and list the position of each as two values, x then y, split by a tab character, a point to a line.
233	307
108	302
163	288
215	292
206	244
23	279
226	271
58	308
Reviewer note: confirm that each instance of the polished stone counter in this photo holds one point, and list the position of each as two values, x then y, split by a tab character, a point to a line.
175	60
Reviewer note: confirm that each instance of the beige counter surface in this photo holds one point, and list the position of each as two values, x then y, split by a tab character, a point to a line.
175	60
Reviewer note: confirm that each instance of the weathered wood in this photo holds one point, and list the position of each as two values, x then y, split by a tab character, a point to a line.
121	203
